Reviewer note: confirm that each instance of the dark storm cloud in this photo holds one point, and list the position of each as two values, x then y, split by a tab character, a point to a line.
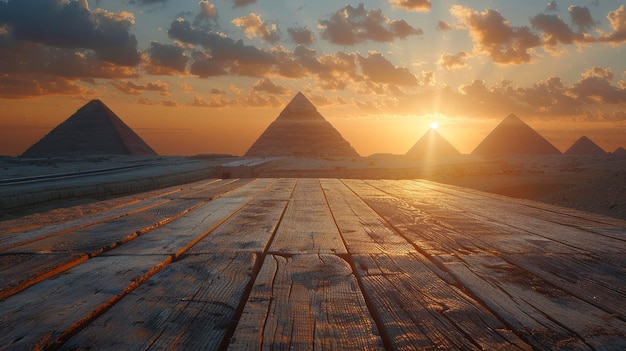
301	35
350	26
72	25
221	47
168	57
581	17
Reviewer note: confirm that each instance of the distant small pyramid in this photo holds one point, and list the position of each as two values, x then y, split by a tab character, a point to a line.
432	145
620	152
300	130
584	146
514	137
93	130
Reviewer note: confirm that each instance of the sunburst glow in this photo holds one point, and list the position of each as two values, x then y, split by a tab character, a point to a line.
434	125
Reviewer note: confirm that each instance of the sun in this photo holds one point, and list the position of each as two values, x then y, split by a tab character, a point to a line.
434	125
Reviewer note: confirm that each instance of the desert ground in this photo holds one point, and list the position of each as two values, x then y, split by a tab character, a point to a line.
589	183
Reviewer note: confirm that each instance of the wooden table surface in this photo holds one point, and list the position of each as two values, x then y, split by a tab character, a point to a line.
316	264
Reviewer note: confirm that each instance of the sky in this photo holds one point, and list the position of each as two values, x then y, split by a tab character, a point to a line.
196	77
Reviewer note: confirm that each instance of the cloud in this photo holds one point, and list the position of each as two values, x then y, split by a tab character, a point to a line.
28	86
131	88
207	12
443	26
350	26
617	20
453	61
242	3
301	35
254	27
167	58
72	25
267	86
379	70
555	30
153	102
495	36
24	59
581	17
599	72
413	5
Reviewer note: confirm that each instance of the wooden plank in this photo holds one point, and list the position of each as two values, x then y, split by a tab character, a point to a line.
98	238
8	241
83	213
362	230
564	215
252	228
419	310
53	309
542	314
178	236
595	279
20	271
91	241
188	305
307	226
531	209
305	302
590	279
451	248
216	190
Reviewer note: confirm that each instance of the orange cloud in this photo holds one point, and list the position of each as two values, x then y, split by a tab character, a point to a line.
450	62
253	26
131	88
413	5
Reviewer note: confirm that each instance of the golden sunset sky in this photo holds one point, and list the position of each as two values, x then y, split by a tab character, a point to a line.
208	77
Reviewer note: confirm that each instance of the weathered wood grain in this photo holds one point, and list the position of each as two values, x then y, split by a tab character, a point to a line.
362	230
95	239
307	226
20	271
594	277
317	264
427	225
252	228
52	309
189	305
542	314
178	236
305	302
420	310
8	241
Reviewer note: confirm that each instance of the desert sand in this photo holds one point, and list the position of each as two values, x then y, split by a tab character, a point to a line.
589	183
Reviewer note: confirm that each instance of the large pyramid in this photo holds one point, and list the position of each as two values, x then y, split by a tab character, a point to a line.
431	146
300	130
514	137
93	130
584	146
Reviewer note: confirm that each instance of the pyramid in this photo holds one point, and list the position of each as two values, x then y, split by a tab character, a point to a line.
432	145
93	130
301	131
514	137
584	146
620	152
